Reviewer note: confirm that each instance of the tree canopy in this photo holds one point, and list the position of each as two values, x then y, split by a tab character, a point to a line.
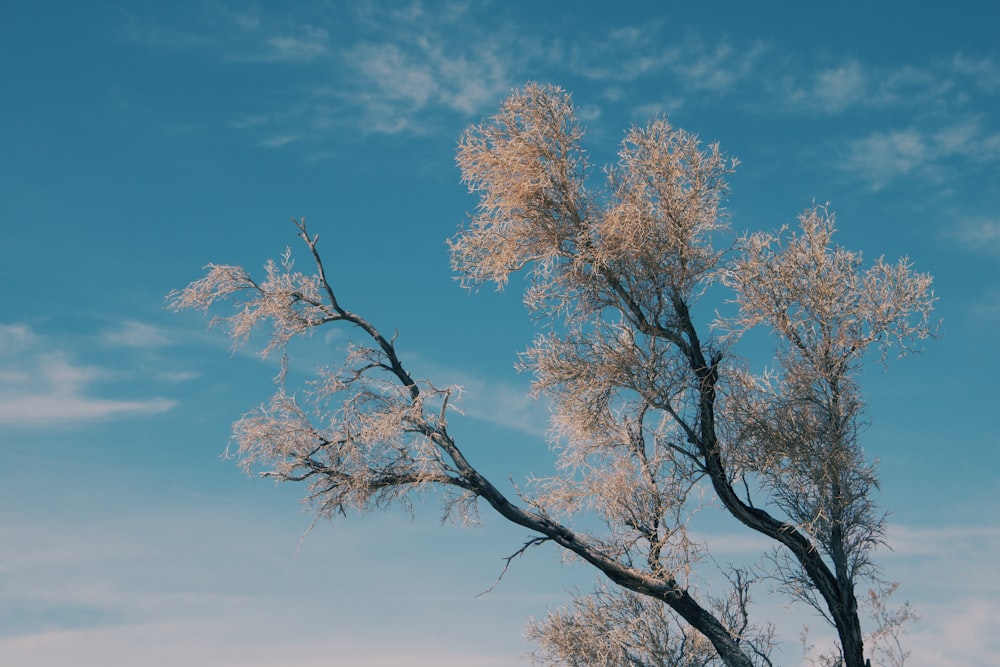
654	410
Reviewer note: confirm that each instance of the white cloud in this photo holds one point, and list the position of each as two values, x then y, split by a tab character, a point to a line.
398	78
41	387
499	402
136	334
309	44
242	36
626	54
935	87
266	642
507	405
949	573
405	67
840	87
57	408
422	69
721	67
201	585
623	54
297	44
15	338
882	157
852	84
969	539
984	71
399	70
960	633
178	376
279	140
908	86
980	235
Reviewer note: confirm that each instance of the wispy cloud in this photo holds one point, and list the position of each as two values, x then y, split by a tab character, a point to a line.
951	562
960	633
151	35
507	405
196	584
405	69
982	539
279	141
936	131
401	68
15	338
177	376
931	88
395	70
311	43
623	54
424	68
851	84
881	157
626	54
720	68
980	235
984	72
43	386
136	334
956	563
237	35
831	89
297	44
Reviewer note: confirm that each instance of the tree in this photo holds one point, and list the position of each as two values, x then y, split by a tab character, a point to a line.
654	411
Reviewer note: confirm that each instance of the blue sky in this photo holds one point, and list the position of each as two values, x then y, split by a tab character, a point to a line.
142	140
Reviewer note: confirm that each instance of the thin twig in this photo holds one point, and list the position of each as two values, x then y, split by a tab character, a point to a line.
533	542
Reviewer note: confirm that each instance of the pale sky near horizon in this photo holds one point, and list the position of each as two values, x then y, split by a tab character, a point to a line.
142	140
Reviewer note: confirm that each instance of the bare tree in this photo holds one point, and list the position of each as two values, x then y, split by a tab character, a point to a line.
654	412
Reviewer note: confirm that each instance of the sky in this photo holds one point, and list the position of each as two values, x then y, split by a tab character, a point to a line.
140	141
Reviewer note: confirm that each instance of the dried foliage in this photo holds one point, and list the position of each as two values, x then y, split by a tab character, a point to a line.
361	440
654	414
616	627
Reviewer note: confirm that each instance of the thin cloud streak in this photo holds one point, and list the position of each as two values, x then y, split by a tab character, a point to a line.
41	388
136	334
979	235
301	44
171	643
58	408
